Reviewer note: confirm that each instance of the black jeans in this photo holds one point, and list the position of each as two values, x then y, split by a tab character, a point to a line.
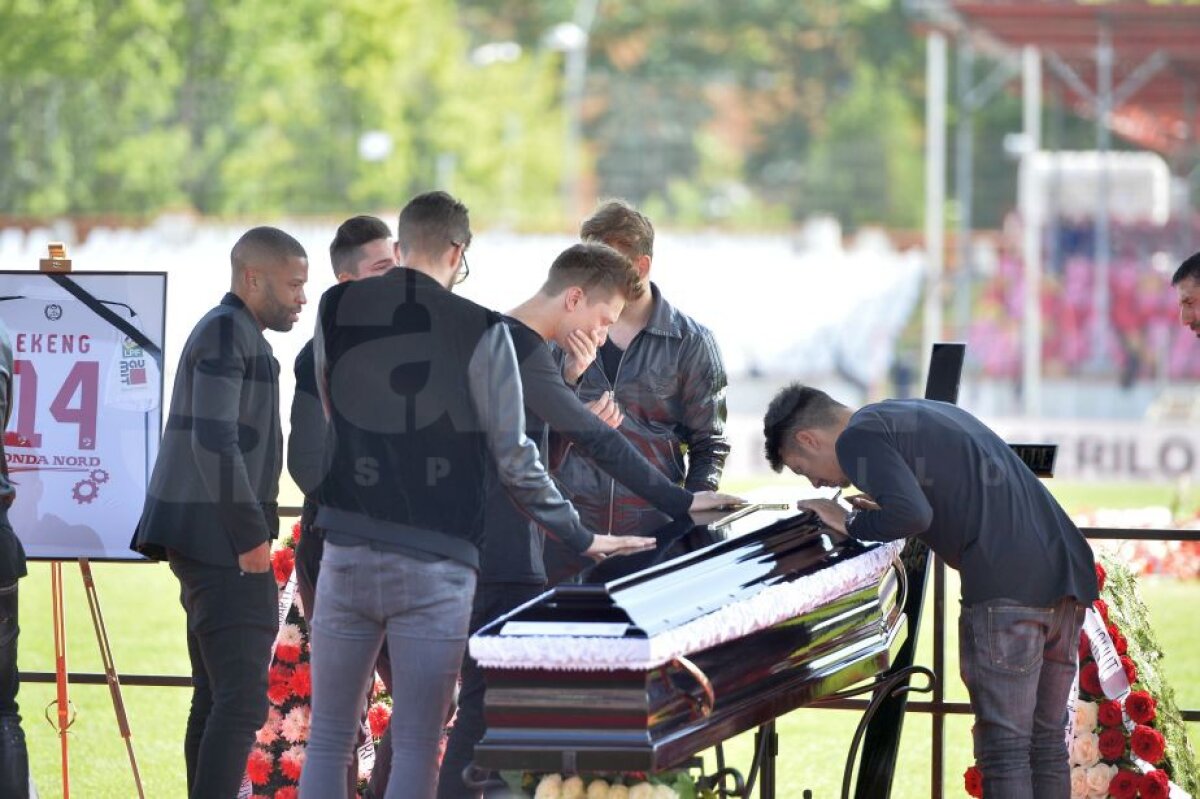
232	620
308	570
491	600
14	761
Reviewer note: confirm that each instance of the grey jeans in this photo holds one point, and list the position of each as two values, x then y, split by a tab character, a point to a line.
423	608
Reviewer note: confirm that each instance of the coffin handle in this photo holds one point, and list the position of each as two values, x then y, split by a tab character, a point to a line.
703	705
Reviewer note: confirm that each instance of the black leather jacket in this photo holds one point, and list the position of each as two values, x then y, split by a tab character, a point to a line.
671	387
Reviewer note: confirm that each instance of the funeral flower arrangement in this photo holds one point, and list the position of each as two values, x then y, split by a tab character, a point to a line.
277	758
1125	735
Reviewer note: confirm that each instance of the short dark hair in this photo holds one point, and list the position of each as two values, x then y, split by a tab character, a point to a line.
1190	268
264	245
619	224
796	407
431	223
345	250
593	266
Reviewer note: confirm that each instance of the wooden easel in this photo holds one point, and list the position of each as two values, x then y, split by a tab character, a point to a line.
65	716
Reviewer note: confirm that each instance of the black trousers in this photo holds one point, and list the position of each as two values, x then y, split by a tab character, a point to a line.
491	600
232	620
308	570
14	761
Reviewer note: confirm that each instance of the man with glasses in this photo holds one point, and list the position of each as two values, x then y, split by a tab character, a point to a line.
424	404
361	248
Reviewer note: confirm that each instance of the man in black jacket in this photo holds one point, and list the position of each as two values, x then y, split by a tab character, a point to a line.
932	470
421	390
14	760
211	507
663	371
362	247
584	293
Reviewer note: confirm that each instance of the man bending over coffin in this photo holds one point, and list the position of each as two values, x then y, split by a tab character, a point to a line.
585	292
930	469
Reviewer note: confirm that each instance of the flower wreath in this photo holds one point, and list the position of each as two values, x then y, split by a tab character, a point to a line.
1125	736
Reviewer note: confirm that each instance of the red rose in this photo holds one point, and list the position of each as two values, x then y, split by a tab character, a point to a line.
1141	707
973	779
1148	744
259	766
1089	679
1119	643
1085	647
1110	713
1130	669
1112	744
378	717
1101	576
1102	608
1155	785
282	561
1124	785
301	682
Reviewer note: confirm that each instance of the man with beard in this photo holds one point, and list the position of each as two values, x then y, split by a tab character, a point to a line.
1187	287
211	507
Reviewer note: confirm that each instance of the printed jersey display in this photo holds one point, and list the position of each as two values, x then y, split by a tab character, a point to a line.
76	442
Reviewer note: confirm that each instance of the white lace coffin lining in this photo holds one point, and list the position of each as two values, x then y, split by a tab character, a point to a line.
768	607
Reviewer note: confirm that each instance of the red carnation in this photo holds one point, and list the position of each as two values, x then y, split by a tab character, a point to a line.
1101	576
287	653
259	766
1131	673
282	561
279	684
1112	744
974	782
1110	713
1141	707
301	681
1155	785
1085	647
286	792
1148	744
1119	643
378	717
1102	608
1089	679
296	533
1124	785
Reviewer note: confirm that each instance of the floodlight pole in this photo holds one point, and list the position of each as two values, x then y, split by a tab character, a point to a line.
1031	232
935	183
1103	236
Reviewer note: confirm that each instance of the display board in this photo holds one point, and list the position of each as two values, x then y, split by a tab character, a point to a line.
87	407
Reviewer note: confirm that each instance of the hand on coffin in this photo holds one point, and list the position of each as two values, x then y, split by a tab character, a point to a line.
715	500
862	502
606	408
604	546
832	515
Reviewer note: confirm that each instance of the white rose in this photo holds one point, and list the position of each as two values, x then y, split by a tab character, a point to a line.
1085	750
598	790
643	790
573	788
1098	778
664	792
1086	716
549	788
618	792
1079	787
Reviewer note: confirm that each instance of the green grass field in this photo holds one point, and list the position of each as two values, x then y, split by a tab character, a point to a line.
145	626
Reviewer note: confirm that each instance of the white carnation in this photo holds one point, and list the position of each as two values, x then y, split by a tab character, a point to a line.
549	788
598	790
618	792
643	790
1086	716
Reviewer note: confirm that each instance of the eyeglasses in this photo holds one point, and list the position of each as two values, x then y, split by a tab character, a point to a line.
464	269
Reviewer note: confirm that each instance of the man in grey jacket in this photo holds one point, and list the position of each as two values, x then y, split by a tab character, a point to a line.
14	761
421	389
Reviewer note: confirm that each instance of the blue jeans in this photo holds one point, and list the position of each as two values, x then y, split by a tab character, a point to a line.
1018	663
422	608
